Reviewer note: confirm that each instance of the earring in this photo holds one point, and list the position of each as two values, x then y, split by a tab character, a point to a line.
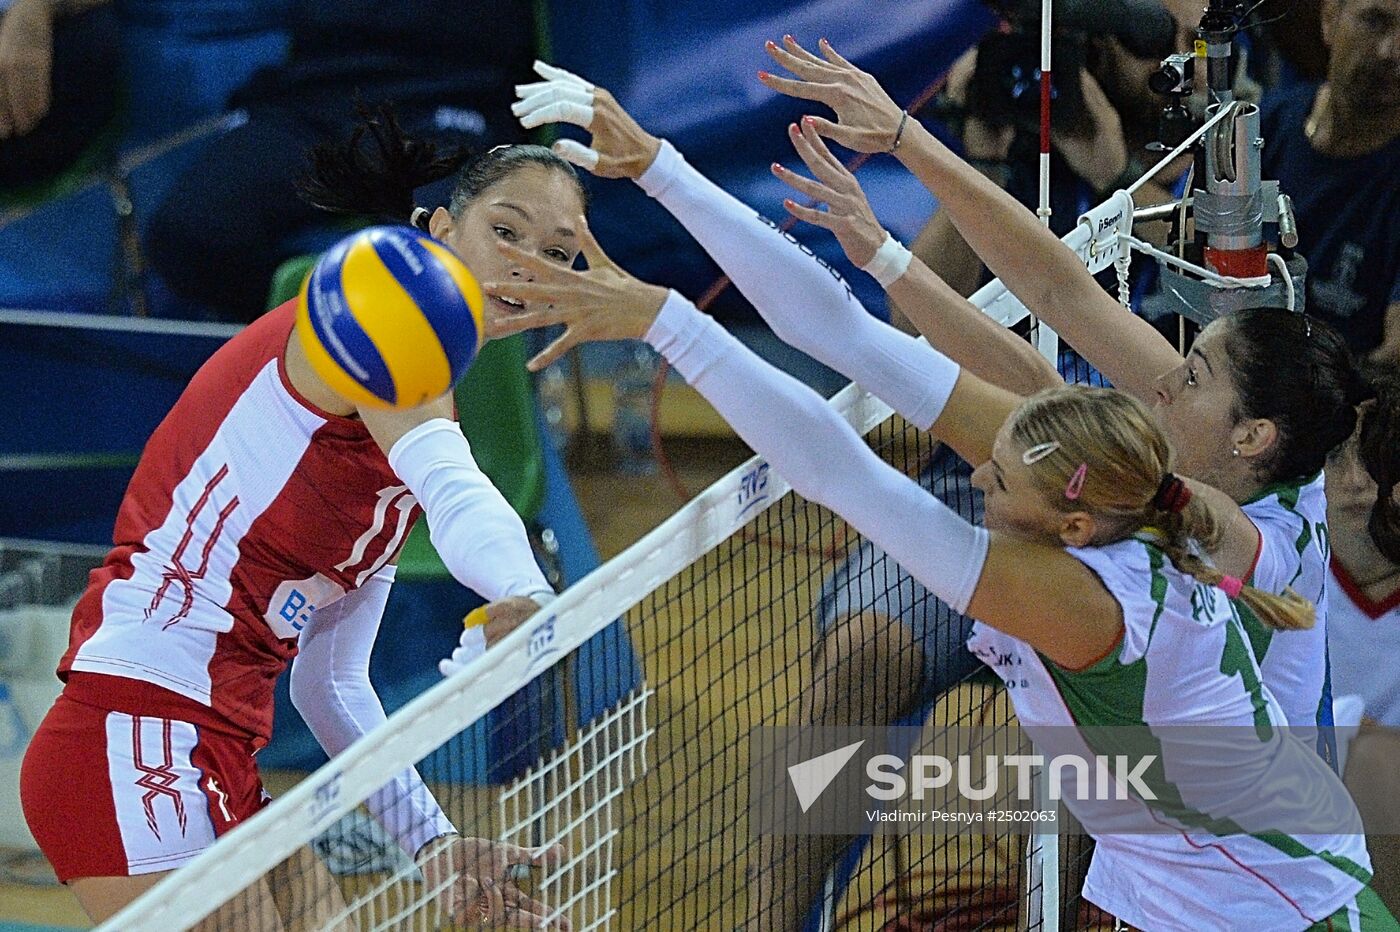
1235	451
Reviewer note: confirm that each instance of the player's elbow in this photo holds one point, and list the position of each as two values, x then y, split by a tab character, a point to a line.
319	695
1037	373
810	468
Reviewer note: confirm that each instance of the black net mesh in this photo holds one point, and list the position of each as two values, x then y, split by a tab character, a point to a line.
632	754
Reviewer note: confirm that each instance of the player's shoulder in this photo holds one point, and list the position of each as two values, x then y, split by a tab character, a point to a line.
1135	571
248	352
267	336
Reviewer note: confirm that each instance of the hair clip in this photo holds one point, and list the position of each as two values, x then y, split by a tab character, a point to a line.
419	218
504	145
1038	452
1076	482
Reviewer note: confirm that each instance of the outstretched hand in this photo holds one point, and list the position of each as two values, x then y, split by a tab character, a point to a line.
477	879
848	213
484	626
620	148
868	120
602	302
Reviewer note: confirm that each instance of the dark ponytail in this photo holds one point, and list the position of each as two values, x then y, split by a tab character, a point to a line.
375	172
1379	450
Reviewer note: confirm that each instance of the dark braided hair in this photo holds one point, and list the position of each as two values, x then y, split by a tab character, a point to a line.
375	171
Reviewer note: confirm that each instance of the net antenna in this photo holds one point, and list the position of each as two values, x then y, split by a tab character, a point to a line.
1045	339
1043	211
1043	852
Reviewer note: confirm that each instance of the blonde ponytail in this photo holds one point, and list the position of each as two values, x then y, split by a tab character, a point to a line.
1196	522
1101	451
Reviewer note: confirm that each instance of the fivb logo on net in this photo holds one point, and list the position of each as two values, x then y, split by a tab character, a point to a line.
976	778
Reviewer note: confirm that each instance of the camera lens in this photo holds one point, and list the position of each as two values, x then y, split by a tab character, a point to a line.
1163	80
1173	76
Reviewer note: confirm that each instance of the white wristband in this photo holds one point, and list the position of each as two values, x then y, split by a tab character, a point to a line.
891	261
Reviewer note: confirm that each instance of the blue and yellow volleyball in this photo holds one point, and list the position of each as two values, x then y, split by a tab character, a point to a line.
390	318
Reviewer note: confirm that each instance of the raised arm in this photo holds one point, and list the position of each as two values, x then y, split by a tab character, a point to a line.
1061	607
945	318
808	305
1040	270
481	539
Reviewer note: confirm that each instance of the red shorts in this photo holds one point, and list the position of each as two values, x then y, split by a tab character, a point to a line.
108	794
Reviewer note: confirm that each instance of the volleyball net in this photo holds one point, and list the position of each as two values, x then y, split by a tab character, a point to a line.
614	728
638	769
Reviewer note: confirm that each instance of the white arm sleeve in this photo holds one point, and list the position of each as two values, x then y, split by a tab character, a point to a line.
821	455
331	689
805	301
478	535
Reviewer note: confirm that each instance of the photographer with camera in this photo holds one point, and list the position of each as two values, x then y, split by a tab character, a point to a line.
1103	114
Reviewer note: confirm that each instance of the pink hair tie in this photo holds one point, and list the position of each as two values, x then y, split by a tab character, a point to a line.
1232	586
1076	482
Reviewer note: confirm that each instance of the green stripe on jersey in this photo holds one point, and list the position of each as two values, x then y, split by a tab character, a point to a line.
1260	635
1366	913
1287	492
1236	658
1301	544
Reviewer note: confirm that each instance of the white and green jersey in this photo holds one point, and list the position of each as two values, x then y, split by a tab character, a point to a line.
1184	860
1293	551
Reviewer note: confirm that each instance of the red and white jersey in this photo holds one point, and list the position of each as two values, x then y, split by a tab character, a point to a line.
1363	638
250	509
